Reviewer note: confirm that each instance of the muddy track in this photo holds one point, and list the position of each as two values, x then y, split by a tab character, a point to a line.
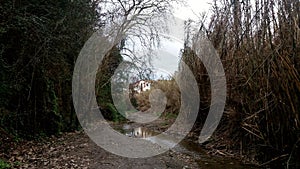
76	150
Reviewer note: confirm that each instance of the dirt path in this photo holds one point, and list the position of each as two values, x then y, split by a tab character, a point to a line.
76	150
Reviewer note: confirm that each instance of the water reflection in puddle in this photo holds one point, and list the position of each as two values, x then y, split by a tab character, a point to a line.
186	147
138	132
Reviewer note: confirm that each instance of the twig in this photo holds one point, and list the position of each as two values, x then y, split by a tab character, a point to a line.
253	133
274	159
290	157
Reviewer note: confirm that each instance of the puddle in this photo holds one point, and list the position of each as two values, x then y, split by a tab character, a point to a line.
185	147
138	132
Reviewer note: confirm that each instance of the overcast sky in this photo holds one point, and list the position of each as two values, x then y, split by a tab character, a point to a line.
193	8
167	56
165	59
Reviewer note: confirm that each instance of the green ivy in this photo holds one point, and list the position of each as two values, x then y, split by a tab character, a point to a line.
4	165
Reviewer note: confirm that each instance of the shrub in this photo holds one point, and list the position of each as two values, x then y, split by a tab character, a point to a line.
171	91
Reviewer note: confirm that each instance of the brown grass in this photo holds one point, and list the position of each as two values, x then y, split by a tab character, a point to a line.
172	93
260	49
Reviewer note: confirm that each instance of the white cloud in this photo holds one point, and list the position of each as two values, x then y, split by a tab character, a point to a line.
192	10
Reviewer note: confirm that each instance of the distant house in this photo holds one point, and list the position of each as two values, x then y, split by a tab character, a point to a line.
140	86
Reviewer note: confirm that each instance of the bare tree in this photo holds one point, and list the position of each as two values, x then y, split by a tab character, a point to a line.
142	21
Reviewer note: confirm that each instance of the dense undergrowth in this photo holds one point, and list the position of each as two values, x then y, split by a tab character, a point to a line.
39	44
259	44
